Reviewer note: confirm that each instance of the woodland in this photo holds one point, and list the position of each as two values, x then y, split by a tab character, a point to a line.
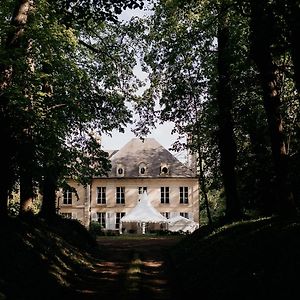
225	72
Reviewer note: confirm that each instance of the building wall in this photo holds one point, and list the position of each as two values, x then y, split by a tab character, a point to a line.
86	208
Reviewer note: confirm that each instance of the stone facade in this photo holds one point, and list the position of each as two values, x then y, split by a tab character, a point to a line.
140	165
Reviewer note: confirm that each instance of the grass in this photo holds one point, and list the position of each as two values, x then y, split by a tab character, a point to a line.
245	260
37	256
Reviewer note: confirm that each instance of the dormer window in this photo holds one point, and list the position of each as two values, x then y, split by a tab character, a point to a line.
120	170
142	169
164	169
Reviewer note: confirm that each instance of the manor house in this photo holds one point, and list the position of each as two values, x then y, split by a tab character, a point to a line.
140	165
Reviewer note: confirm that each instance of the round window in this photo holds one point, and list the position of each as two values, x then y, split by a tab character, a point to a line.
164	170
120	171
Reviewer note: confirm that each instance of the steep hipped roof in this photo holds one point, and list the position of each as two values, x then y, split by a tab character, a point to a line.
152	155
144	212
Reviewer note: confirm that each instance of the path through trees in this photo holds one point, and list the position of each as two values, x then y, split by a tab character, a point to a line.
127	269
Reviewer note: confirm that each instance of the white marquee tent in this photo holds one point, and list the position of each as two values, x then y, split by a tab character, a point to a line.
179	223
143	213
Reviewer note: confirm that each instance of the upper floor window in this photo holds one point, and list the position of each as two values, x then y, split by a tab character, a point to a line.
67	197
184	194
142	169
142	189
120	195
164	194
101	195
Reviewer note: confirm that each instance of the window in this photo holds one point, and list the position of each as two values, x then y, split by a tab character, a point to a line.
101	195
142	189
67	197
101	216
164	169
119	216
164	194
166	215
184	214
120	195
120	171
66	215
142	169
184	194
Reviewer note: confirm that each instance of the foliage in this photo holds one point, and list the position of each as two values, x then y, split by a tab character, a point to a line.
71	76
180	53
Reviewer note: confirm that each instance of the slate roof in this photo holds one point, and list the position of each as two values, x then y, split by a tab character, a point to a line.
149	153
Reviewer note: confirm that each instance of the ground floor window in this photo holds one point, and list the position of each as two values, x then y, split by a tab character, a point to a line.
184	214
66	215
166	214
119	215
142	189
101	217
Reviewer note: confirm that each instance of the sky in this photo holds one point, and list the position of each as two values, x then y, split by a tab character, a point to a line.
162	133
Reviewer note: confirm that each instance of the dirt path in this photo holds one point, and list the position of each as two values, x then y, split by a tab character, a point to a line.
129	268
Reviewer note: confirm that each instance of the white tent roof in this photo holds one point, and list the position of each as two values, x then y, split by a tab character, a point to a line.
179	223
144	212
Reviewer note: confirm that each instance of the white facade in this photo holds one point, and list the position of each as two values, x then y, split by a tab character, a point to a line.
172	188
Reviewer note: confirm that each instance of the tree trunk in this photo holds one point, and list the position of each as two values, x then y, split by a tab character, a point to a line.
294	27
12	48
48	209
202	184
227	143
261	51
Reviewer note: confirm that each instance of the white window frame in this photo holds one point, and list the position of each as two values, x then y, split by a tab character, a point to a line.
184	195
184	214
101	218
67	197
164	194
120	195
119	216
142	189
101	195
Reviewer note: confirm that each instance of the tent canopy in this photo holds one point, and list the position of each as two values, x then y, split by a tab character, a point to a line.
144	212
179	223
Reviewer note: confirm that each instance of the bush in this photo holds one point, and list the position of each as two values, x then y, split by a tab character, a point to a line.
95	229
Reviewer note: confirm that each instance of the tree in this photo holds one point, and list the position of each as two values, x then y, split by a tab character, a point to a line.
262	26
227	143
67	92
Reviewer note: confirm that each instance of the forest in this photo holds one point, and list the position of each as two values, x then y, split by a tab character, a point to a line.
225	72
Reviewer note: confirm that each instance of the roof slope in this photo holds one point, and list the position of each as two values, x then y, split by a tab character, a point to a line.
144	212
150	153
